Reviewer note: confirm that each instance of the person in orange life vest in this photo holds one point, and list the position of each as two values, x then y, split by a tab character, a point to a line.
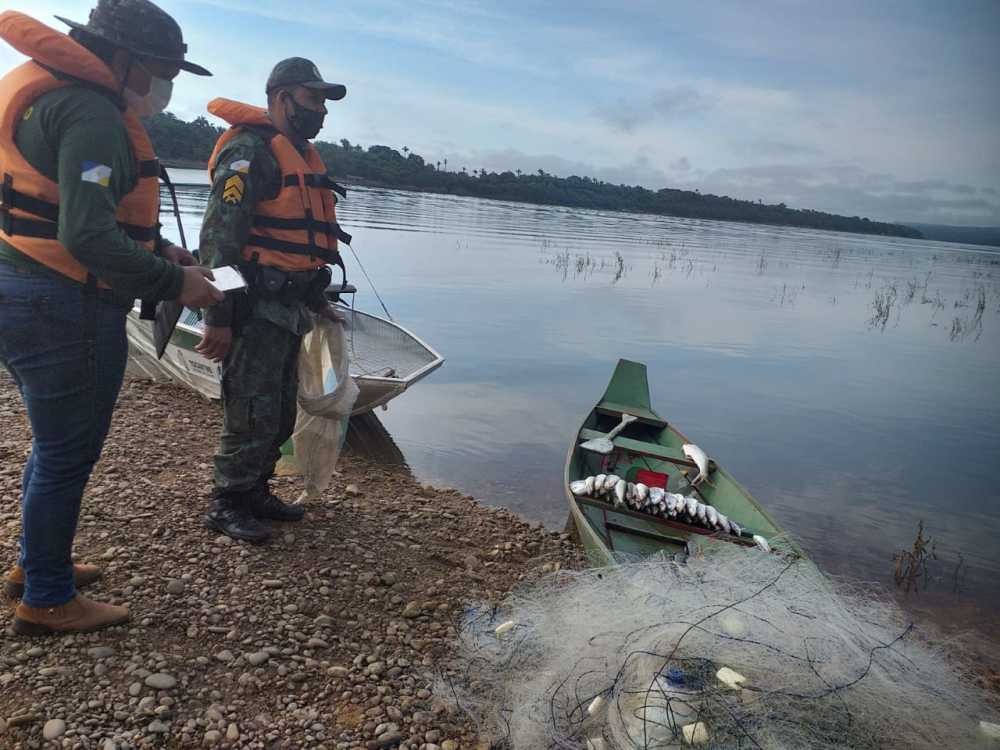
79	242
272	212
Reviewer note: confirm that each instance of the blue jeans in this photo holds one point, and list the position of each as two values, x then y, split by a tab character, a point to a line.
66	350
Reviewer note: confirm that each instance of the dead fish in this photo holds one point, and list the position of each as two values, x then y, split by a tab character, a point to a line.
630	493
700	458
589	489
656	498
610	482
596	705
712	516
579	487
761	542
691	507
675	506
641	492
620	489
599	483
735	529
603	489
723	522
702	514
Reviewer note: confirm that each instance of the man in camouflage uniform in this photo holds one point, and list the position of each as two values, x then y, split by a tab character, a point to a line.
258	339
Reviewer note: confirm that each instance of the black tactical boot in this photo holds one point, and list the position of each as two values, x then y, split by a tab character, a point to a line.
231	514
269	506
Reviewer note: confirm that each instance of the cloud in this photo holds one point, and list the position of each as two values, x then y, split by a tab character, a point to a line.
835	188
640	169
665	105
773	147
469	32
679	101
798	102
853	191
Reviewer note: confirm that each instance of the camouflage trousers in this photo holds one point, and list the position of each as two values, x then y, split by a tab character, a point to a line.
259	389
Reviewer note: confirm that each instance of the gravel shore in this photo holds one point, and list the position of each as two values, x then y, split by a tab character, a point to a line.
328	637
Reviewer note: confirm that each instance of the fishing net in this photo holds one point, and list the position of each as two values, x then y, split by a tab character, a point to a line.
326	397
735	648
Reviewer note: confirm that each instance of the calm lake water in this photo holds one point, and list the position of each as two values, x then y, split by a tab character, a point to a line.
851	383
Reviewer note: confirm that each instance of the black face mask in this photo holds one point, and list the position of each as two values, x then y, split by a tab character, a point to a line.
306	122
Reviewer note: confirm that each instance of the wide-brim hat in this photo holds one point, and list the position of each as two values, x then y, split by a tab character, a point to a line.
140	27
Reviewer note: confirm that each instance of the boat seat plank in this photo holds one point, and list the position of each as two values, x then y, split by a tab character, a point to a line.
645	416
341	289
653	450
665	522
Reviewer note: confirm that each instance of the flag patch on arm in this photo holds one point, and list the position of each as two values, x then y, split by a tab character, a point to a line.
97	173
240	165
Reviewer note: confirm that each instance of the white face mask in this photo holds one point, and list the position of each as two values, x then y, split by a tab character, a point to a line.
153	102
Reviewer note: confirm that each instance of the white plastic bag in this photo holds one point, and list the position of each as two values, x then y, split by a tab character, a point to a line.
326	397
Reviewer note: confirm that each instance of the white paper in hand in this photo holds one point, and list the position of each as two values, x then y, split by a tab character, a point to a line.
228	278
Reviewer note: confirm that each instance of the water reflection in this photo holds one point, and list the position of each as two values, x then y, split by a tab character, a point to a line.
367	438
826	371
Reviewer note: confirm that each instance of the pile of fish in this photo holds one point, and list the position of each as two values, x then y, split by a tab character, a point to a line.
658	502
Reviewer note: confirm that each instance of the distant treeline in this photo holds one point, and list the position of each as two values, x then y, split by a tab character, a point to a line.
966	235
188	142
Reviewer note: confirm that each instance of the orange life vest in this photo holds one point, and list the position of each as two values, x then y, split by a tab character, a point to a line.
29	201
296	230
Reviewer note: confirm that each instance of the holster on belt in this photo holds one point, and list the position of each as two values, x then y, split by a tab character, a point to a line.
292	287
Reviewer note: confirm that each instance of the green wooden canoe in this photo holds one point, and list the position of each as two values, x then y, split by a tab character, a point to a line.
650	443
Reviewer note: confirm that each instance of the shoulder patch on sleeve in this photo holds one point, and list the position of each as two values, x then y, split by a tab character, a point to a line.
240	165
232	190
97	173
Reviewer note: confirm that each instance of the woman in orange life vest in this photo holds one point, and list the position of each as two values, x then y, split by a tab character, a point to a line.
78	221
271	210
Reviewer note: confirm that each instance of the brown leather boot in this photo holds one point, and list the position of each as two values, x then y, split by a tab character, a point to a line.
83	575
79	615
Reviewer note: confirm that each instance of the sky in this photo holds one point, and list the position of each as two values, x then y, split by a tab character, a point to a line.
887	109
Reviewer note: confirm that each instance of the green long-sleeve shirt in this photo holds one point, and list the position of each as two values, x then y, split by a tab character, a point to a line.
246	173
64	134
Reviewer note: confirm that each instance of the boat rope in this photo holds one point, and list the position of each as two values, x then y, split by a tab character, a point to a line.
370	283
173	197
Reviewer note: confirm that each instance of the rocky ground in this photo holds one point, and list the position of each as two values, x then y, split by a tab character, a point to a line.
328	637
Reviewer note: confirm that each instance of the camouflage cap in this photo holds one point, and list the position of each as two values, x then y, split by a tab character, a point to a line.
297	71
141	27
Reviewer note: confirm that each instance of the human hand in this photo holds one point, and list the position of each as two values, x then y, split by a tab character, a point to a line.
178	255
215	342
197	291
